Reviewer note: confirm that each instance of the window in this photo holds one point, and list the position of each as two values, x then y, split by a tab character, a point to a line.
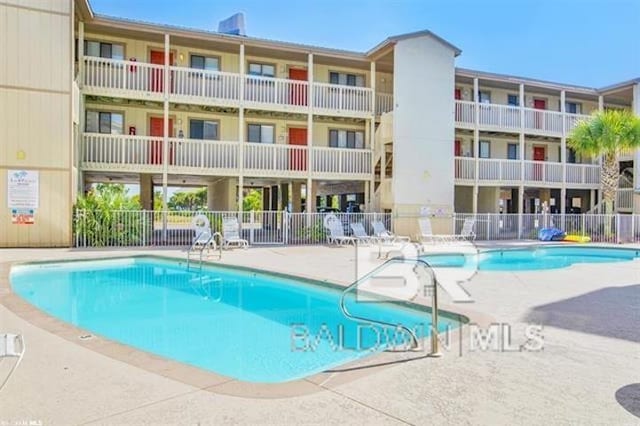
205	63
484	97
104	122
346	139
513	100
573	107
204	129
104	50
512	151
261	133
572	157
485	149
346	79
264	70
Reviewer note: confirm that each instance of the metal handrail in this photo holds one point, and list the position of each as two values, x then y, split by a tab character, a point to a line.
414	338
205	245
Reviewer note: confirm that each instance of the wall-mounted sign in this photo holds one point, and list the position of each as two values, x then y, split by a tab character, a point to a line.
23	189
22	216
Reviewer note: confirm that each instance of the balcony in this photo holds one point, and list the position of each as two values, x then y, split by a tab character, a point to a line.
536	173
384	103
495	117
138	80
123	153
624	199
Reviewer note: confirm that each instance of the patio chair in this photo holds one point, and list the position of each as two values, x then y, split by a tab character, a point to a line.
427	234
336	231
11	346
383	235
231	233
360	233
200	224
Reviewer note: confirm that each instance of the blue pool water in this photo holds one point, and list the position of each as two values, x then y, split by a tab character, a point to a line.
534	258
246	325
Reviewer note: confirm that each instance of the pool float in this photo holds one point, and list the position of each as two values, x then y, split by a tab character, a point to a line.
577	238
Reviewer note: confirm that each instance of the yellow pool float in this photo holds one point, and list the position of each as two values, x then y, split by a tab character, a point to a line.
577	238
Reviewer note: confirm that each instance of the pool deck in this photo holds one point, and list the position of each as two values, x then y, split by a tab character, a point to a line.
591	358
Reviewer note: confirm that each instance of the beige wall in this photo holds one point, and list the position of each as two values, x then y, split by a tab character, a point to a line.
36	115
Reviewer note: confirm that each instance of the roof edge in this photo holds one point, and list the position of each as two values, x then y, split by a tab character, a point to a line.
389	41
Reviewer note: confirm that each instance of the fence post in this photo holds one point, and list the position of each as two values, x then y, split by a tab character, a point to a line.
144	228
617	228
285	228
251	226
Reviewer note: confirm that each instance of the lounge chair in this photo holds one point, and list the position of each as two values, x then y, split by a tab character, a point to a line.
336	231
202	227
231	233
11	346
361	234
383	235
427	234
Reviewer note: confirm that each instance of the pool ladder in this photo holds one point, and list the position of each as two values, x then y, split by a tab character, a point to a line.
202	247
426	277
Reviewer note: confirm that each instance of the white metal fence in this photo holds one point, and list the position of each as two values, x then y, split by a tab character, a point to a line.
142	228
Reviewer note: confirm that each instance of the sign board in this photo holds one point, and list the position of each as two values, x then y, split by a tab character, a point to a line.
23	189
22	216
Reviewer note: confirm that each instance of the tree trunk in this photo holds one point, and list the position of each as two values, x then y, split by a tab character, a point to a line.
609	175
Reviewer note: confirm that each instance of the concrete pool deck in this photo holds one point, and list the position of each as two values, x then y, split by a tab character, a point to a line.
584	374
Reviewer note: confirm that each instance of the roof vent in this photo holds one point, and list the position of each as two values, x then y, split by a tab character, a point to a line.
233	25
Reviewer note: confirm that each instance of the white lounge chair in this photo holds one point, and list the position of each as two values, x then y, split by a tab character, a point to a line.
383	235
231	233
11	346
336	232
360	233
202	228
427	234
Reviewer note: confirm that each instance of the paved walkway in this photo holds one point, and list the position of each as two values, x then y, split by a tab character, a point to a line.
585	373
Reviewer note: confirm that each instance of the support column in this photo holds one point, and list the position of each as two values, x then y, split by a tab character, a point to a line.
165	129
563	157
81	54
241	131
522	155
520	209
600	103
563	201
296	197
592	199
310	205
284	198
476	144
311	191
146	191
79	151
476	193
370	189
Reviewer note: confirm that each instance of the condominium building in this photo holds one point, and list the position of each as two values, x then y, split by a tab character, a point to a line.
89	98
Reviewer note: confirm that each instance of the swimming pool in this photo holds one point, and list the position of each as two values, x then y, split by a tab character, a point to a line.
532	258
251	326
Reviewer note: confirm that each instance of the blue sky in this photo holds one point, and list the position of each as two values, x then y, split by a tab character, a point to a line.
585	42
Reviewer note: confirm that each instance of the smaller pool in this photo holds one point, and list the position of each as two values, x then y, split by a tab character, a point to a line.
532	258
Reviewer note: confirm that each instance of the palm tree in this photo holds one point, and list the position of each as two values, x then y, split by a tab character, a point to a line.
607	133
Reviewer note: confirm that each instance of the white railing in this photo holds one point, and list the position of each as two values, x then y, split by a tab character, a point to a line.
543	120
465	112
338	97
122	76
465	168
204	154
265	157
275	91
627	153
384	103
499	116
624	198
196	83
543	172
341	161
499	170
118	150
571	120
583	173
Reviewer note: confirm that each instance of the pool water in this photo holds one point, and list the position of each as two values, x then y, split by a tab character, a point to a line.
533	258
251	326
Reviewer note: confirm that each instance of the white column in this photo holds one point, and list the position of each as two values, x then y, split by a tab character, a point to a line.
310	207
81	110
521	157
476	142
241	126
81	54
372	133
600	103
165	130
563	154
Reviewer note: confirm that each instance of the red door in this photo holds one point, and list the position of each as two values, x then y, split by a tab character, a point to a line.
156	128
538	155
457	151
298	157
457	95
157	57
298	92
539	120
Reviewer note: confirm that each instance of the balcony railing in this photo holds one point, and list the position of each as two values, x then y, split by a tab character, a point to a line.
535	172
134	153
507	117
144	80
624	199
384	103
